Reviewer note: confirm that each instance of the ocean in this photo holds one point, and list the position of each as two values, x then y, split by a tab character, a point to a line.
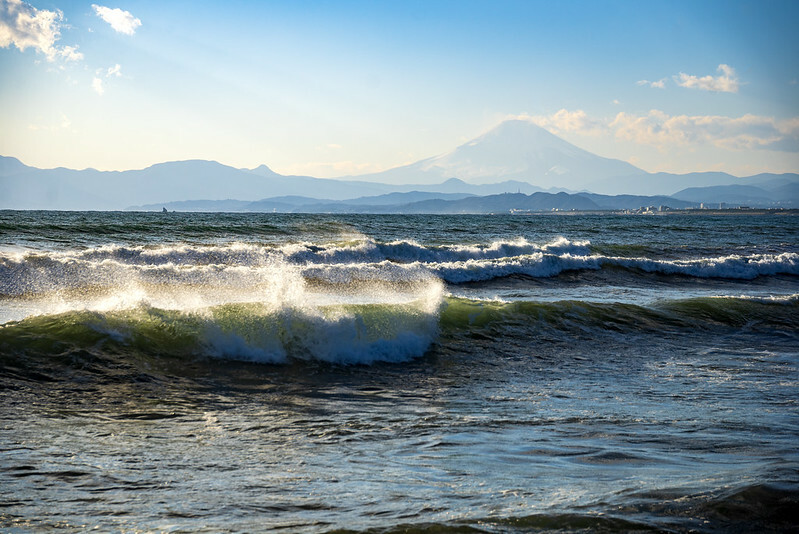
189	372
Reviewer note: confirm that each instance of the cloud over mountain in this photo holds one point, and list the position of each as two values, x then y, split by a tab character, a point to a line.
661	130
735	133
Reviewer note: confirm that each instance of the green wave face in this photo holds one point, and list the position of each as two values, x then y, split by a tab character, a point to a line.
692	314
252	332
365	333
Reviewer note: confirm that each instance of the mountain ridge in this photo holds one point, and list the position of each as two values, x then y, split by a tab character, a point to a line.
514	157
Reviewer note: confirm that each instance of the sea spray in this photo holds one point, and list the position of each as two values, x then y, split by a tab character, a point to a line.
230	267
264	313
391	330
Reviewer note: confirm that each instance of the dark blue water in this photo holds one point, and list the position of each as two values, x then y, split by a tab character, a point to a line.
249	372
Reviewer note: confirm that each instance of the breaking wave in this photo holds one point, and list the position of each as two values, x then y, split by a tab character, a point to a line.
367	333
357	301
259	266
248	332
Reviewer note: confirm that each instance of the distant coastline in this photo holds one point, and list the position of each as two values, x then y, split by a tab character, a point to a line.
693	211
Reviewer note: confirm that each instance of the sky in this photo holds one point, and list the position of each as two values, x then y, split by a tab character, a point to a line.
336	88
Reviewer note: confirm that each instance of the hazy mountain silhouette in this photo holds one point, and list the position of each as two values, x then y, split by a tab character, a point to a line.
514	150
786	196
515	157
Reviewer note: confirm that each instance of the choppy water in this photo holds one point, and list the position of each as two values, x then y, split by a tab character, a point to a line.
248	372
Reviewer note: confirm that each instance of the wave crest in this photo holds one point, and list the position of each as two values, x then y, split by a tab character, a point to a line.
258	266
342	334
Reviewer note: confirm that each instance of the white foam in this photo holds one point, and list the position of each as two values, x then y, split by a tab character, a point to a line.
350	334
542	265
260	309
767	299
257	268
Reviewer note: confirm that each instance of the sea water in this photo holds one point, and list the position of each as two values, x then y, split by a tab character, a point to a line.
316	373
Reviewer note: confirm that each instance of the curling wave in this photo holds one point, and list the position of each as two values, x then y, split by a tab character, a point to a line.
368	333
344	334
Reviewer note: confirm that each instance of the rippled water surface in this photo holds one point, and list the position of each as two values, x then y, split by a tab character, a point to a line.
239	373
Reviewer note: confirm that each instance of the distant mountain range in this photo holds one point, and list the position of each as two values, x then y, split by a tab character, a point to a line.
517	165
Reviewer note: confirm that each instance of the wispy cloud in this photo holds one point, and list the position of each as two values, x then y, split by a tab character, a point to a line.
660	84
63	124
725	82
70	53
116	70
98	86
734	133
99	83
121	21
565	121
664	131
24	26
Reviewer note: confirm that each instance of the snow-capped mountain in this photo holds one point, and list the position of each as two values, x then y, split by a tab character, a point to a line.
514	150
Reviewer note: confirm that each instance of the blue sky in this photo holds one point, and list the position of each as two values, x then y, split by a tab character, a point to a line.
340	88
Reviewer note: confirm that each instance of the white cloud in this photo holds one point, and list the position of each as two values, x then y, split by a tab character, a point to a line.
24	26
121	21
97	85
660	84
98	82
726	82
116	70
742	133
565	121
663	131
70	53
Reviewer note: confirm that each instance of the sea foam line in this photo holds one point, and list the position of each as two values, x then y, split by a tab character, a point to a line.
40	273
365	250
540	265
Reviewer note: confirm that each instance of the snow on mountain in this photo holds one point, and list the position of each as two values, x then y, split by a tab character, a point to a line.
514	150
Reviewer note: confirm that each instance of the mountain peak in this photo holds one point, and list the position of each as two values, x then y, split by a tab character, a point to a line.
262	170
514	149
521	150
516	136
520	128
